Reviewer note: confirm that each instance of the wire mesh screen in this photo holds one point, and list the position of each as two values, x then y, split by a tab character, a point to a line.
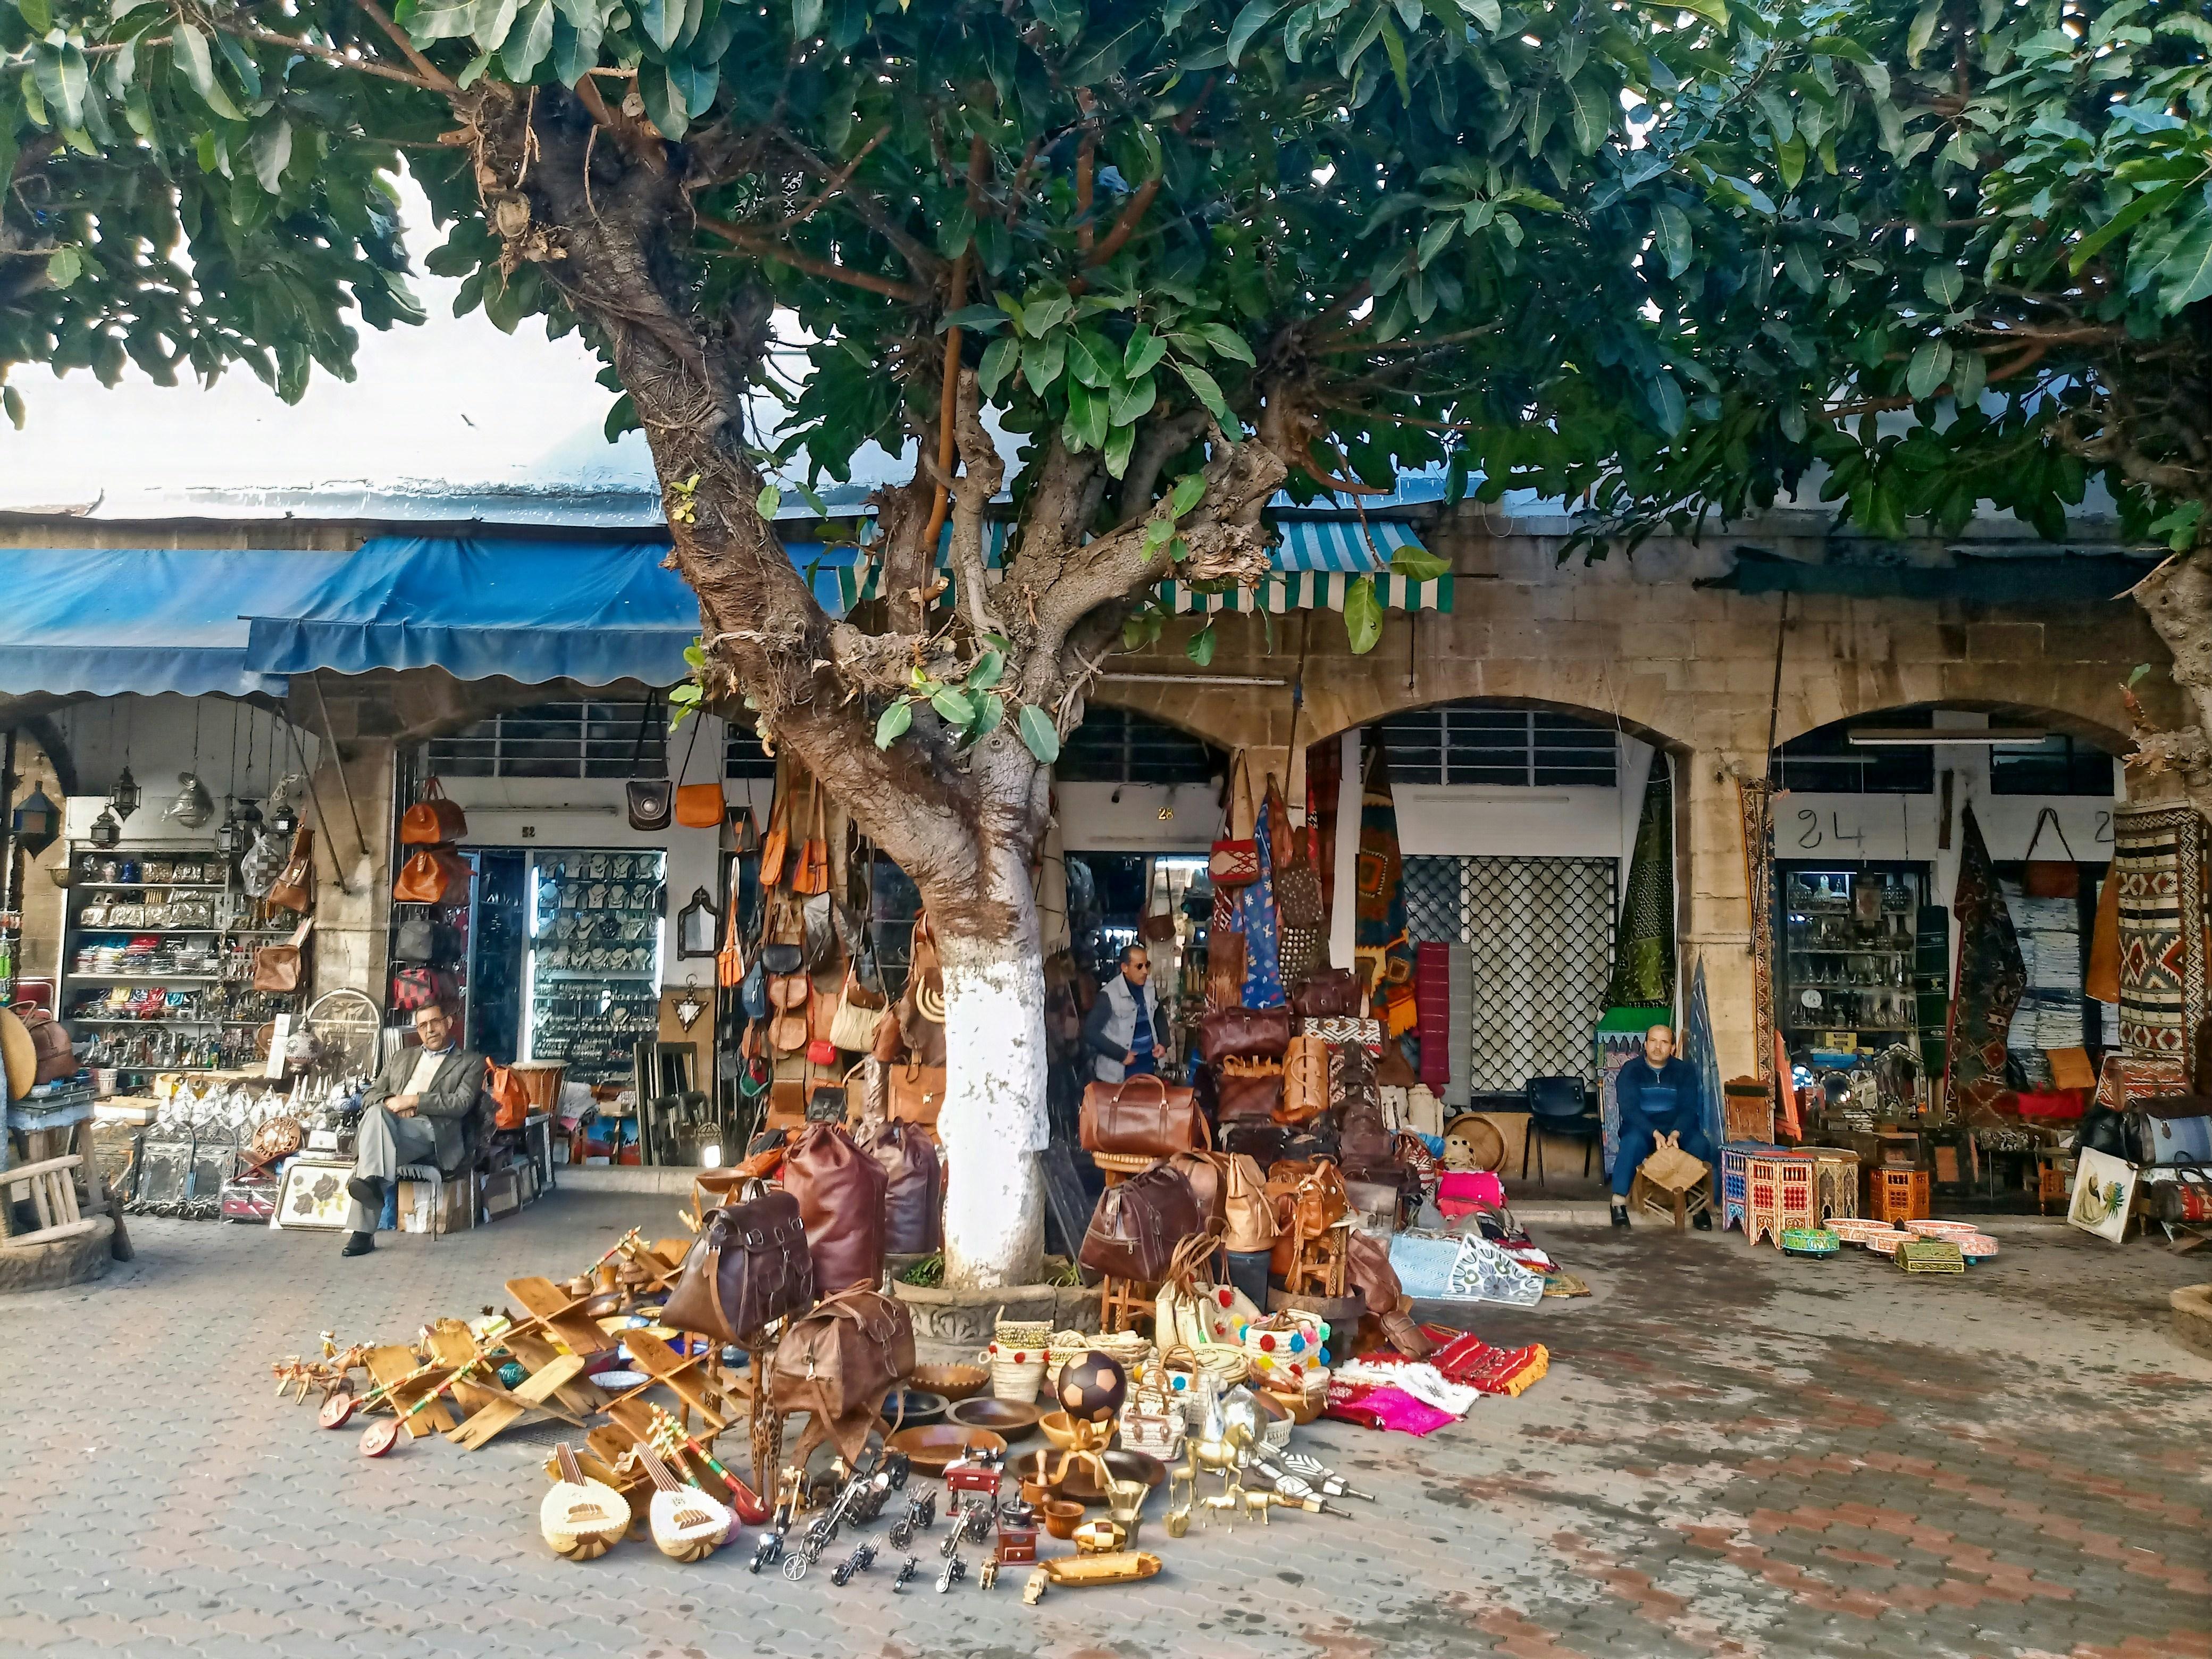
1540	931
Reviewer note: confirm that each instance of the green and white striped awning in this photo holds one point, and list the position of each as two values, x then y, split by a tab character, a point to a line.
1310	590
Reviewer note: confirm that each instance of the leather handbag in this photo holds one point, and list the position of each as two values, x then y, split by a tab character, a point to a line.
854	1025
786	1105
1352	1079
820	1051
280	970
917	1094
510	1100
1247	1099
415	940
838	1363
650	801
50	1043
748	1268
1143	1117
1225	970
1248	1219
1136	1226
1265	1031
698	805
1305	1081
1309	1199
294	886
432	819
2050	877
1234	858
840	1189
436	875
1332	992
811	874
914	1191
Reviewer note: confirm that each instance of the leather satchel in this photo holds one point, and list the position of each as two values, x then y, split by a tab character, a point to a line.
1332	992
436	875
1136	1226
650	801
1247	1099
810	873
294	886
838	1363
1305	1081
1265	1031
1366	1146
748	1268
280	968
1309	1199
914	1188
698	805
840	1189
1203	1170
49	1045
775	846
1141	1118
432	819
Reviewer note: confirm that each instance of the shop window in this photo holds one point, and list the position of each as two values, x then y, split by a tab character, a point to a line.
598	738
1488	746
1118	746
2059	765
742	756
1825	762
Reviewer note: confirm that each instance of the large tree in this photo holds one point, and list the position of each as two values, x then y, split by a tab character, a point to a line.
1175	257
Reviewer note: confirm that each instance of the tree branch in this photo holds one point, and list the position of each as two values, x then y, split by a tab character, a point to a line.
838	181
983	472
364	66
760	246
438	79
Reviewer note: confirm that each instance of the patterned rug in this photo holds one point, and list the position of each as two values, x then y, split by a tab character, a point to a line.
1990	979
2158	857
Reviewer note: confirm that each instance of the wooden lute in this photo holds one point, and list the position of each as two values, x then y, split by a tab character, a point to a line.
582	1518
687	1524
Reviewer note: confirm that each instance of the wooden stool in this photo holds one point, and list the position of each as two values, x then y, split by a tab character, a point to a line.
1118	1167
1645	1194
53	1195
1781	1191
1317	1265
2052	1181
1121	1300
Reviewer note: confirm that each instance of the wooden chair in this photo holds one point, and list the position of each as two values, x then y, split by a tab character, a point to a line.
1318	1263
1121	1301
52	1183
1647	1195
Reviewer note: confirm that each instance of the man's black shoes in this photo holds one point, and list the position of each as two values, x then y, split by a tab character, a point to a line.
368	1189
359	1244
1620	1215
1703	1221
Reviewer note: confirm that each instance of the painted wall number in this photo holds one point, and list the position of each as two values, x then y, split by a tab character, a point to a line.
1810	836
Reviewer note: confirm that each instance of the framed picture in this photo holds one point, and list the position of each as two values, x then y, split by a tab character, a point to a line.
2104	1192
314	1196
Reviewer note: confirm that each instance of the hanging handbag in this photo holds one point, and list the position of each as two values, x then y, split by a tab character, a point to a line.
1305	1081
417	940
838	1363
820	1051
280	968
2050	878
1179	1316
745	832
295	887
1265	1031
1136	1226
1143	1117
1334	993
748	1268
650	801
432	819
817	937
415	988
811	874
775	846
840	1189
698	805
917	1094
1247	1099
1248	1217
852	1027
436	875
1234	859
510	1100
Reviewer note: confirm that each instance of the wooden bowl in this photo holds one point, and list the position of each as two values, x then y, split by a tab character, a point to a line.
1079	1485
954	1382
1058	1429
1062	1516
922	1409
931	1448
1011	1419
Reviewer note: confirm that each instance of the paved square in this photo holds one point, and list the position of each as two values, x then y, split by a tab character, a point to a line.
1733	1454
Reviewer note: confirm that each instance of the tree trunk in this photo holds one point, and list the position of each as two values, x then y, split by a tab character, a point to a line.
993	1121
2177	598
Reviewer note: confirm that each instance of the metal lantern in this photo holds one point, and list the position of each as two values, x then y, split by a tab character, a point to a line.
106	828
230	837
193	806
124	799
37	820
285	821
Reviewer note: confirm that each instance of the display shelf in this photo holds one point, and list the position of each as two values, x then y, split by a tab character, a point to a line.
146	979
151	886
149	1025
641	974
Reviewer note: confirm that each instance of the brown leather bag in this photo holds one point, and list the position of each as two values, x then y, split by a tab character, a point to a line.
786	1105
1309	1199
1248	1219
776	844
838	1363
1203	1171
1141	1118
1368	1273
917	1095
436	875
840	1189
912	1223
281	968
1225	971
50	1043
1367	1147
1351	1078
432	819
810	873
1332	993
1136	1226
748	1268
1264	1031
294	886
1245	1099
1305	1081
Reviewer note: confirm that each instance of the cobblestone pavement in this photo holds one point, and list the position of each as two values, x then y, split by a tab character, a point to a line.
1733	1454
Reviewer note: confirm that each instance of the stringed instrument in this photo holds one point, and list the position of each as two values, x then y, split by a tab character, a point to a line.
687	1524
582	1518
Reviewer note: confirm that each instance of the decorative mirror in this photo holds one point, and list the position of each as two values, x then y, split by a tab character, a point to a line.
698	925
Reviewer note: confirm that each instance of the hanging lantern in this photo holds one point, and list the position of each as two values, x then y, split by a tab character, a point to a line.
230	839
249	818
36	823
285	821
193	806
124	799
106	828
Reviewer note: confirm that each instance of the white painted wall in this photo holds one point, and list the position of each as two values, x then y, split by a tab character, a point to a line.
159	737
1092	821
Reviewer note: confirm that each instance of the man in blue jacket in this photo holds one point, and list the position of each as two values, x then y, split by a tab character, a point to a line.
1659	1095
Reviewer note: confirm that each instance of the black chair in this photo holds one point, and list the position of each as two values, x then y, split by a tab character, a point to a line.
1559	1106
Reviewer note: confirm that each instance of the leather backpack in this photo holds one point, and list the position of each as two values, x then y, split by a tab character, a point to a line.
840	1189
1351	1078
748	1268
1334	993
1202	1170
1264	1031
1143	1117
1248	1219
1309	1199
1305	1081
915	1182
838	1363
1136	1226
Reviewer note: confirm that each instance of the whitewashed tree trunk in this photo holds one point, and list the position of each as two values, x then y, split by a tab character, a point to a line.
993	1122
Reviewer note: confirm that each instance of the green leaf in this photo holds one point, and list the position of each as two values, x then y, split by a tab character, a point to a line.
62	76
1923	31
1394	48
891	724
1209	393
1146	349
1668	401
1127	405
1944	284
1929	367
1042	360
768	501
189	48
806	19
1670	228
1119	443
11	401
64	266
2187	271
1040	736
493	21
1417	564
1362	616
271	149
1158	532
662	21
999	360
1226	341
1088	358
695	83
1199	647
990	668
1256	16
1065	18
2155	200
37	14
953	705
1485	12
1589	112
528	43
1969	373
1189	489
664	101
1789	156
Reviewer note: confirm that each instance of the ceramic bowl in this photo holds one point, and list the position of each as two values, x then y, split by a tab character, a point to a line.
922	1409
620	1381
954	1382
1062	1516
1976	1247
1011	1419
1886	1243
930	1448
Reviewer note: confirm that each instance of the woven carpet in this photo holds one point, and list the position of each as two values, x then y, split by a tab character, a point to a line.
1643	943
1990	979
2158	857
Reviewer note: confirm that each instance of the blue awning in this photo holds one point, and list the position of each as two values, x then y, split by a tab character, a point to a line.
102	622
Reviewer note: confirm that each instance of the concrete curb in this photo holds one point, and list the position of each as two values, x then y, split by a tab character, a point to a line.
622	1178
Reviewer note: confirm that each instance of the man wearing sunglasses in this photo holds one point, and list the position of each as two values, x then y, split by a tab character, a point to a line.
1122	1034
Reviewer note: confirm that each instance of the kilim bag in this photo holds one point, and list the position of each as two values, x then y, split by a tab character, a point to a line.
1234	860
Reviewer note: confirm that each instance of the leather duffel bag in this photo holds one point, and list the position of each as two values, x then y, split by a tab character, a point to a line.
840	1189
838	1363
1263	1031
1136	1226
1332	991
1143	1117
1305	1081
748	1268
915	1182
1247	1099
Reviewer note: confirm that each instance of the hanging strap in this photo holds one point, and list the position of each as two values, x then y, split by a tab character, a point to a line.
2051	813
644	724
684	771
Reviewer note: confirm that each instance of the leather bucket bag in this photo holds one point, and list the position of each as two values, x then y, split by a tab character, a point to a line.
840	1189
433	819
294	886
1143	1117
1263	1031
915	1184
838	1363
748	1268
1136	1226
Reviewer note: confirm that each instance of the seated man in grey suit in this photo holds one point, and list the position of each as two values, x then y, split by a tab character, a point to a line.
415	1114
